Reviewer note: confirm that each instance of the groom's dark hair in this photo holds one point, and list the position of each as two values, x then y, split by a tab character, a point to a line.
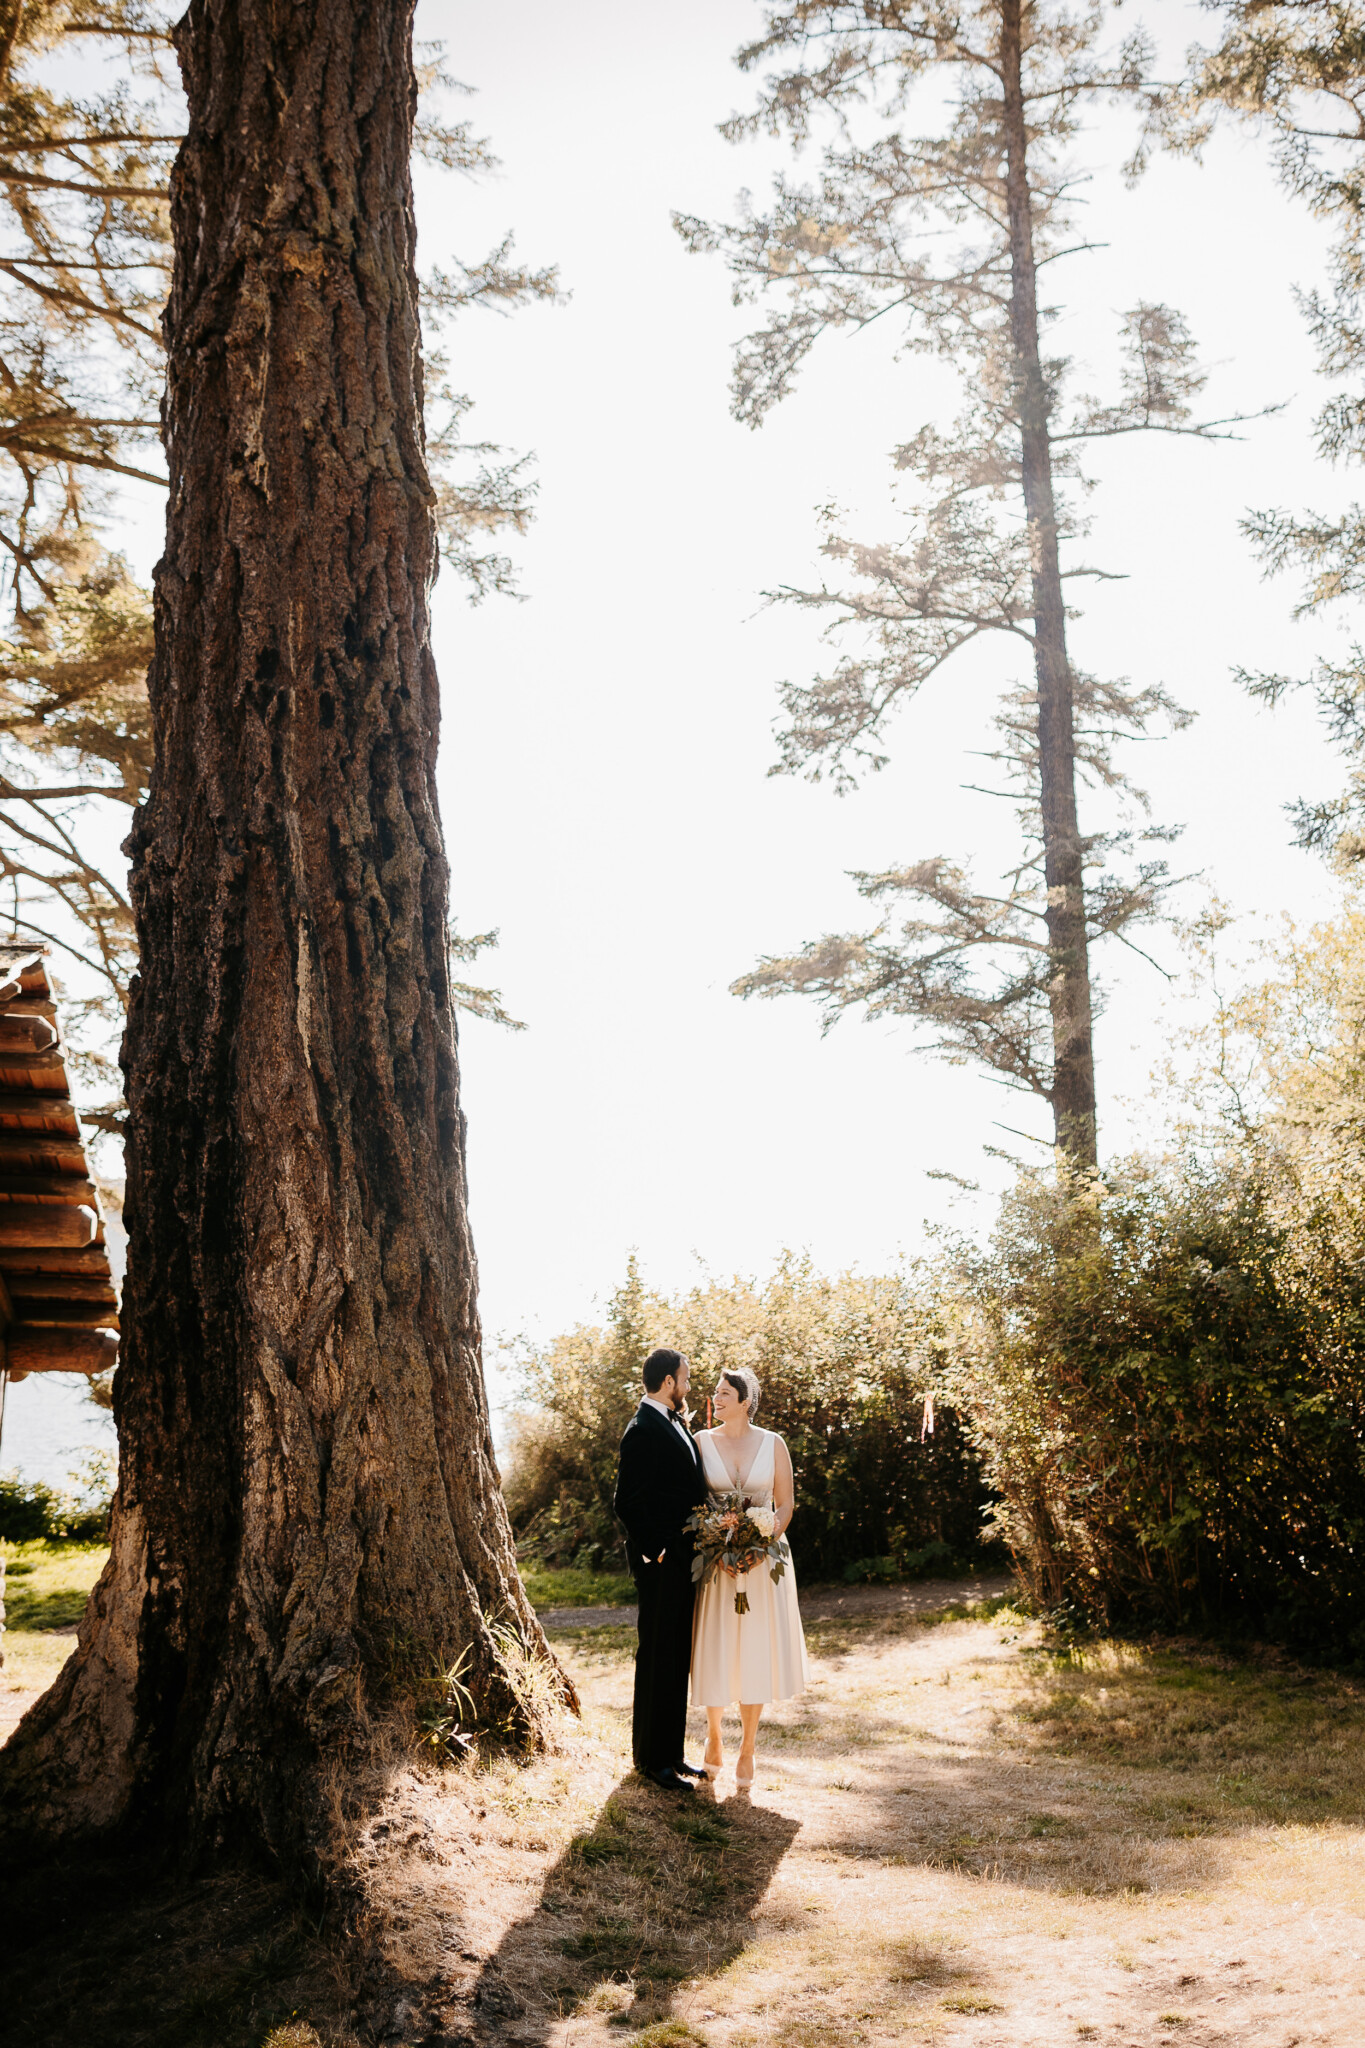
658	1367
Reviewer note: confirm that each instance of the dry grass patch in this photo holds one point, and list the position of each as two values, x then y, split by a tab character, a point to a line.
913	1960
32	1660
957	1837
116	1952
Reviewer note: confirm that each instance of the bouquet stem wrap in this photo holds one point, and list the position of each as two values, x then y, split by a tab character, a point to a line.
733	1535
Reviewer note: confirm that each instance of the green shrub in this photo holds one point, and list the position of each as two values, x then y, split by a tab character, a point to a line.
1164	1371
27	1512
31	1511
909	1564
844	1366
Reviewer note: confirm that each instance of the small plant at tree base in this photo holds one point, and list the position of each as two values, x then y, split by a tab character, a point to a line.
534	1687
446	1717
295	2033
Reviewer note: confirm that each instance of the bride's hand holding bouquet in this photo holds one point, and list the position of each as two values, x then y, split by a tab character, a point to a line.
733	1536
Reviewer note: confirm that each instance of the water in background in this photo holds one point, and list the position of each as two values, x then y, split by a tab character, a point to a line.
49	1423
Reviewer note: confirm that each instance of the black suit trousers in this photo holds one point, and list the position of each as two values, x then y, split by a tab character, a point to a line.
663	1657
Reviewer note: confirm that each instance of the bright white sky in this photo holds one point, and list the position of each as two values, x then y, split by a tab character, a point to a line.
606	742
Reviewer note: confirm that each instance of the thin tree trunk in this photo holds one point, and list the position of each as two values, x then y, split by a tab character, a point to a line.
1073	1083
308	1507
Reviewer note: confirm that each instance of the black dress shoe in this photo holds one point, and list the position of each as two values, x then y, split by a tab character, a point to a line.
686	1770
666	1778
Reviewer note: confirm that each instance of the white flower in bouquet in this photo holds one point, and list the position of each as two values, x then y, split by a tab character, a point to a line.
733	1537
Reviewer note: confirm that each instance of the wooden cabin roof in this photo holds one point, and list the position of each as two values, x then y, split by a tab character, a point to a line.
58	1302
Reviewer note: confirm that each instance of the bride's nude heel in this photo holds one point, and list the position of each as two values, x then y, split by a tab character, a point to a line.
742	1782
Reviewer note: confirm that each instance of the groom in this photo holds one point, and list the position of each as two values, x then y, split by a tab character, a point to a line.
659	1483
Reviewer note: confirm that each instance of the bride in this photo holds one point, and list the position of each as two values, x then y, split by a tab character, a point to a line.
746	1659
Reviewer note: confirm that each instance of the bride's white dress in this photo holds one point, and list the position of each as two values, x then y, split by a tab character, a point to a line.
759	1656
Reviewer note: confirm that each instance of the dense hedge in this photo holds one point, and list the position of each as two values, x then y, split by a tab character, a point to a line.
1164	1374
31	1511
1151	1387
844	1365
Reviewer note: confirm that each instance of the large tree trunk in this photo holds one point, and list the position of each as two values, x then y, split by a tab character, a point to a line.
308	1505
1073	1052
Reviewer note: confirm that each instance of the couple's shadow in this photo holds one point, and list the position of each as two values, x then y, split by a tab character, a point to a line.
657	1893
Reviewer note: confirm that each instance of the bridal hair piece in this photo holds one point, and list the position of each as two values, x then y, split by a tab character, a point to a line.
745	1384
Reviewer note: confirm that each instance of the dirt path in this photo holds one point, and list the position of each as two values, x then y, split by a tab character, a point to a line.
14	1704
958	1836
822	1603
961	1839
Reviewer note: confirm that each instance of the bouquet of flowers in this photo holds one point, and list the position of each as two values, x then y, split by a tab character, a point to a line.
733	1536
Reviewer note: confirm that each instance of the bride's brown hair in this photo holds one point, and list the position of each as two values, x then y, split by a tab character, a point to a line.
745	1384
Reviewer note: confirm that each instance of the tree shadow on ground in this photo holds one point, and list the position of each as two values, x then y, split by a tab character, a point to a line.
123	1952
657	1892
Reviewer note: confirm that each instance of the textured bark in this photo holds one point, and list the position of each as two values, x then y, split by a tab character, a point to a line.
1073	1084
308	1492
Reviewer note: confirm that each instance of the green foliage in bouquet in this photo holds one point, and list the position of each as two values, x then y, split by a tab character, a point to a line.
844	1364
735	1536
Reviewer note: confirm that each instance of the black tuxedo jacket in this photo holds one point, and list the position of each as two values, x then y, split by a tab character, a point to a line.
658	1484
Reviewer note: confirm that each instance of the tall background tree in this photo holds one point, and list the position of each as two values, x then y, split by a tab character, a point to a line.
951	232
1298	72
84	267
308	1504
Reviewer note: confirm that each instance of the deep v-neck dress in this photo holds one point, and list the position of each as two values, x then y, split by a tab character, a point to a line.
759	1656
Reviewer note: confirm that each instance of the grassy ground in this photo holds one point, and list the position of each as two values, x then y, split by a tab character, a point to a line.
958	1836
548	1588
46	1585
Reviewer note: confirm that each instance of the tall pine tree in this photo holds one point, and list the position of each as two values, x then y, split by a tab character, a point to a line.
308	1503
90	116
1298	72
946	193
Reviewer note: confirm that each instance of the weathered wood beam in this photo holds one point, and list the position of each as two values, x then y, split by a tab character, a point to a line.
29	1006
31	1349
62	1315
40	1114
38	1286
45	1225
90	1261
39	1187
26	1059
49	1151
31	1034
